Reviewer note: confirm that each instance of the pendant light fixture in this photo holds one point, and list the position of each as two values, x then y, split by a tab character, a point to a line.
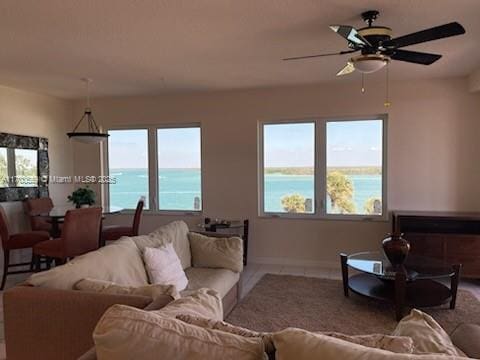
93	135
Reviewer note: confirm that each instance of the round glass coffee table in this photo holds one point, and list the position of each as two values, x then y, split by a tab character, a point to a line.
415	283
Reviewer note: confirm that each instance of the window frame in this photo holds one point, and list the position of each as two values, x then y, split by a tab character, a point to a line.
153	181
320	171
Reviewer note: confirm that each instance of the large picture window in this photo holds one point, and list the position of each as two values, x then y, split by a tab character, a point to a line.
128	167
162	164
179	169
324	168
289	163
354	167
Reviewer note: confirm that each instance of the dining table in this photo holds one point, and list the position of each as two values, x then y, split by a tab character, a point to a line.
57	214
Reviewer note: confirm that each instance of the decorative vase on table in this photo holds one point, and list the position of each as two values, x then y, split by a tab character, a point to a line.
396	249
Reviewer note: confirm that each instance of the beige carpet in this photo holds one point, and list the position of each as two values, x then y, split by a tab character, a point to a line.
280	301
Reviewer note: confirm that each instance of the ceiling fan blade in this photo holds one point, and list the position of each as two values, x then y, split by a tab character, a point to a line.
351	34
319	55
348	69
438	32
415	57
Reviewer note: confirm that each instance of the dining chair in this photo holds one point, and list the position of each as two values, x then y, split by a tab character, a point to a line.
23	240
81	230
35	207
115	232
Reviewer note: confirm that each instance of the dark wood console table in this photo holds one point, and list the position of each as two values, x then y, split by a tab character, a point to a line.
452	237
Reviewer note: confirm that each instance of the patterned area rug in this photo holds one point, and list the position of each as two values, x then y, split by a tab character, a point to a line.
280	301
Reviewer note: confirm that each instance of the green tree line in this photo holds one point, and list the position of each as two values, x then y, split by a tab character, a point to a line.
340	190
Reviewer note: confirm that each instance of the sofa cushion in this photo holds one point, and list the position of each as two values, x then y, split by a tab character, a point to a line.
128	333
466	337
216	252
160	294
303	345
428	336
164	267
175	233
221	280
201	303
120	262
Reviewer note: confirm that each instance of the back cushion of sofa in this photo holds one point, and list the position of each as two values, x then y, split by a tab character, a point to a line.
176	233
120	262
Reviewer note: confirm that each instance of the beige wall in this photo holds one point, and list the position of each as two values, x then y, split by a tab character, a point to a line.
432	155
26	113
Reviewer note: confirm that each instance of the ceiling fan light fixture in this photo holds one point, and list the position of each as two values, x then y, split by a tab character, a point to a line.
367	64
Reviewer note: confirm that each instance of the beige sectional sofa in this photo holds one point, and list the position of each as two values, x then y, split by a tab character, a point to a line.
45	318
191	328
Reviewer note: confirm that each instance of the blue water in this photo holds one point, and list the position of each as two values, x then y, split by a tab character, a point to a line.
179	187
277	186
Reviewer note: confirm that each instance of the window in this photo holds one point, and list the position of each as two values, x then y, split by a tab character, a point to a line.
162	164
354	167
289	163
179	169
26	168
3	168
324	168
128	167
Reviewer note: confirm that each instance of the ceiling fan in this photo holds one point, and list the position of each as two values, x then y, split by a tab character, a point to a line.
377	47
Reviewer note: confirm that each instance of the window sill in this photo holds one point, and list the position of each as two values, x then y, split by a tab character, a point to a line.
162	212
352	218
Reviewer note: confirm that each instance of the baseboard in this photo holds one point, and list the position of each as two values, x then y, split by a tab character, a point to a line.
295	262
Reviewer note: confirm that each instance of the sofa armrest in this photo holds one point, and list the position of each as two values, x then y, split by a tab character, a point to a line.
467	338
42	323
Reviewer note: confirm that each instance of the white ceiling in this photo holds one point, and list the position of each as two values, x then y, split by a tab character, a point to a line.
134	47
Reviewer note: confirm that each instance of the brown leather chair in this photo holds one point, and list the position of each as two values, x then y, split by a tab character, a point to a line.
115	232
81	230
35	207
10	242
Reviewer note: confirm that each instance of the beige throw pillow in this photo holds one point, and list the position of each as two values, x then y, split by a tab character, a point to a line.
164	267
205	303
174	233
398	344
120	262
226	327
428	336
212	252
297	344
125	333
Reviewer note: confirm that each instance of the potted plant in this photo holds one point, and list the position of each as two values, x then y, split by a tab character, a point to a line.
82	197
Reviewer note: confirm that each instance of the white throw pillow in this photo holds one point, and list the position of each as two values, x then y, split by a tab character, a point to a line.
164	267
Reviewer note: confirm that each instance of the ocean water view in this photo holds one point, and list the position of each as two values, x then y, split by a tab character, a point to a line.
178	188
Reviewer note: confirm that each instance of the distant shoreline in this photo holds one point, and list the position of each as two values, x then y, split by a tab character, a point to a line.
354	170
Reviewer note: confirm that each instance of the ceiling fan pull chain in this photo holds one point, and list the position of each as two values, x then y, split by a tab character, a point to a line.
363	83
387	102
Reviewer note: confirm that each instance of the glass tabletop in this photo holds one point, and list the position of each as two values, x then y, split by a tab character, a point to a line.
60	211
416	267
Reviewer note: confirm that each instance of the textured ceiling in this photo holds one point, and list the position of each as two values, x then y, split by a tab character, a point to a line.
153	46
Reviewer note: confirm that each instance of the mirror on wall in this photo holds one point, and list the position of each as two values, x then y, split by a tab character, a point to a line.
24	167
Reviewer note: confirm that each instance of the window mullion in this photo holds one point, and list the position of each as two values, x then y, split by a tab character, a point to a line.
321	168
11	170
153	168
